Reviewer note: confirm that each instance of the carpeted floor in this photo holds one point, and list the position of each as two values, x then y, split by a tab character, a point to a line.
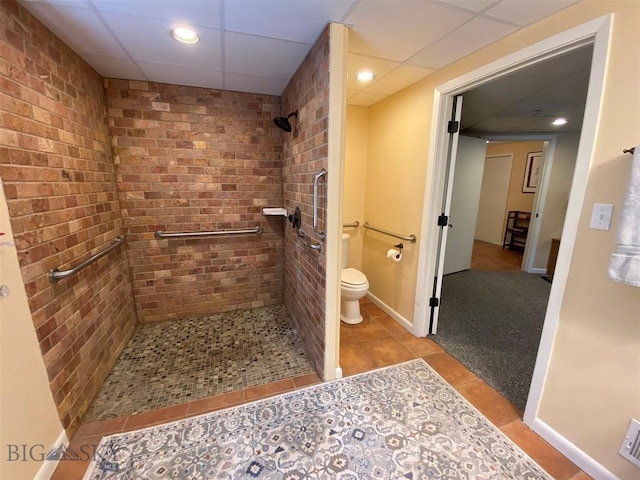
401	422
491	322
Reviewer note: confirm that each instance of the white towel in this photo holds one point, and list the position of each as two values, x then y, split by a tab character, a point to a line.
625	260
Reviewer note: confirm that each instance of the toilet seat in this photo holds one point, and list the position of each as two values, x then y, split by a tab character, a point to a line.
351	276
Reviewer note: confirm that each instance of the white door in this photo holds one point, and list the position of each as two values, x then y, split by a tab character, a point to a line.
443	221
467	180
492	207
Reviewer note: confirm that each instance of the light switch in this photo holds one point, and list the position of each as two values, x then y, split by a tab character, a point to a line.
601	216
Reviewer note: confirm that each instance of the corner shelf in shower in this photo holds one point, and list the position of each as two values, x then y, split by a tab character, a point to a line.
275	211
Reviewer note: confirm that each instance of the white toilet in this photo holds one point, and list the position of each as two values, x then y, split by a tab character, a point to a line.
353	287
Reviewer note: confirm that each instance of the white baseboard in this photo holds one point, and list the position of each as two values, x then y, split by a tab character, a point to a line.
49	466
338	372
391	312
573	453
538	271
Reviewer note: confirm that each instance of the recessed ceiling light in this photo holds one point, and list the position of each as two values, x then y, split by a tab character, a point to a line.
365	76
559	121
185	35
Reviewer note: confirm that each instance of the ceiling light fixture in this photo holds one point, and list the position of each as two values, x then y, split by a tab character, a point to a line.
559	121
185	35
364	76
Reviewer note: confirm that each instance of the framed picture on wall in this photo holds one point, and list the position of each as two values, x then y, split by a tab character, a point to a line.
532	172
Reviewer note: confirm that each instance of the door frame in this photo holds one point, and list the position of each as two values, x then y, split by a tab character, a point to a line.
548	150
596	32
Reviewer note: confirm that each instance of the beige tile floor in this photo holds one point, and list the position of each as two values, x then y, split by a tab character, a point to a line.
378	341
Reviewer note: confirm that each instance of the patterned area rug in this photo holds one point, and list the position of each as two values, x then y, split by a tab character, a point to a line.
401	422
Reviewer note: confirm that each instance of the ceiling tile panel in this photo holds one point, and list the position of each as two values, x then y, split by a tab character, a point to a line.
80	28
181	75
357	63
203	12
263	56
397	30
112	67
479	32
399	79
287	20
475	5
366	99
525	13
148	39
241	82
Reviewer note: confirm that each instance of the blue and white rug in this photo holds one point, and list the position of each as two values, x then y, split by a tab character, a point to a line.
401	422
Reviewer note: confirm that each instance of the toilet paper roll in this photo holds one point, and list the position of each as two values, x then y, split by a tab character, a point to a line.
395	255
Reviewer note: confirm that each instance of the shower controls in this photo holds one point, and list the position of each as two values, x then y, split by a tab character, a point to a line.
296	218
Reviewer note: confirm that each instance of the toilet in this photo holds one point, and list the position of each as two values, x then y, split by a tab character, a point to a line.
353	286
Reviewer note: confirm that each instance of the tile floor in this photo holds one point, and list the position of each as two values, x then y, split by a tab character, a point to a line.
377	342
174	362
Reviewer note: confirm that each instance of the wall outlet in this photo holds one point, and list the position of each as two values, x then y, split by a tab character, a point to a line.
601	216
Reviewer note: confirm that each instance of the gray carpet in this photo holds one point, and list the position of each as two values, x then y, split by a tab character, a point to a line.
491	322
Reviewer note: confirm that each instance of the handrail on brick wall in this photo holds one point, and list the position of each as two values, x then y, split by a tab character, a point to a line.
56	275
161	235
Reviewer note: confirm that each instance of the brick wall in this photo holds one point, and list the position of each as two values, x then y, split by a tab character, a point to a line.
305	154
195	159
58	176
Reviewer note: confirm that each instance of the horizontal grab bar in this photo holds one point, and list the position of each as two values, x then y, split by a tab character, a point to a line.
409	238
314	246
352	224
56	275
160	235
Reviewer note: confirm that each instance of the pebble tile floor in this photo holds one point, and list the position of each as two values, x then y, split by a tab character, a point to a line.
179	361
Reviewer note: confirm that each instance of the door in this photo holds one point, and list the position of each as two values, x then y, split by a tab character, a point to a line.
467	180
492	206
453	128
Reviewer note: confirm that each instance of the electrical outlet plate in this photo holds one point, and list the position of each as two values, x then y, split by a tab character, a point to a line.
630	448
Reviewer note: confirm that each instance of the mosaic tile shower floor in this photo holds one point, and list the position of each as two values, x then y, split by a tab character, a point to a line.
179	361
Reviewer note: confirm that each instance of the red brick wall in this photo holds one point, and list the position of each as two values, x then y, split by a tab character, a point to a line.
195	159
305	154
58	175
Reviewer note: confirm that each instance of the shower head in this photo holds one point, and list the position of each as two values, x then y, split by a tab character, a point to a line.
283	122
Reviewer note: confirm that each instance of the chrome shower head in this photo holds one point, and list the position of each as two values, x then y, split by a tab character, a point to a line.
283	122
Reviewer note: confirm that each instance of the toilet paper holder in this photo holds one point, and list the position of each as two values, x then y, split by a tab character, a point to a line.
399	246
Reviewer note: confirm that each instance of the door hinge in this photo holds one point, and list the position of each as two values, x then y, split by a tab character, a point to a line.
434	301
443	220
452	126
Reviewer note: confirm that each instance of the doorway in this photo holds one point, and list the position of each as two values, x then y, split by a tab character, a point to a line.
594	34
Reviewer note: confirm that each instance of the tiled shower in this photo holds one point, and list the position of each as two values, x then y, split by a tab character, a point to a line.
86	159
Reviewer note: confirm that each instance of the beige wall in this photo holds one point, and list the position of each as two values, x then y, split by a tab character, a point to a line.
396	167
27	412
593	388
355	175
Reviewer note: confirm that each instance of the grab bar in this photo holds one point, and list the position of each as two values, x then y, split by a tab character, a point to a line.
160	234
56	275
409	238
355	224
320	174
314	246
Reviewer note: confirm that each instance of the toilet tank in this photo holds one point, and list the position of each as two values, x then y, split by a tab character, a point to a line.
345	250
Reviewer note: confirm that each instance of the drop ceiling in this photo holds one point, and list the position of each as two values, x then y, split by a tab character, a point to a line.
528	100
257	45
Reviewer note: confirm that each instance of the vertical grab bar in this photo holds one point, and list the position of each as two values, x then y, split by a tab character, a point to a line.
319	175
